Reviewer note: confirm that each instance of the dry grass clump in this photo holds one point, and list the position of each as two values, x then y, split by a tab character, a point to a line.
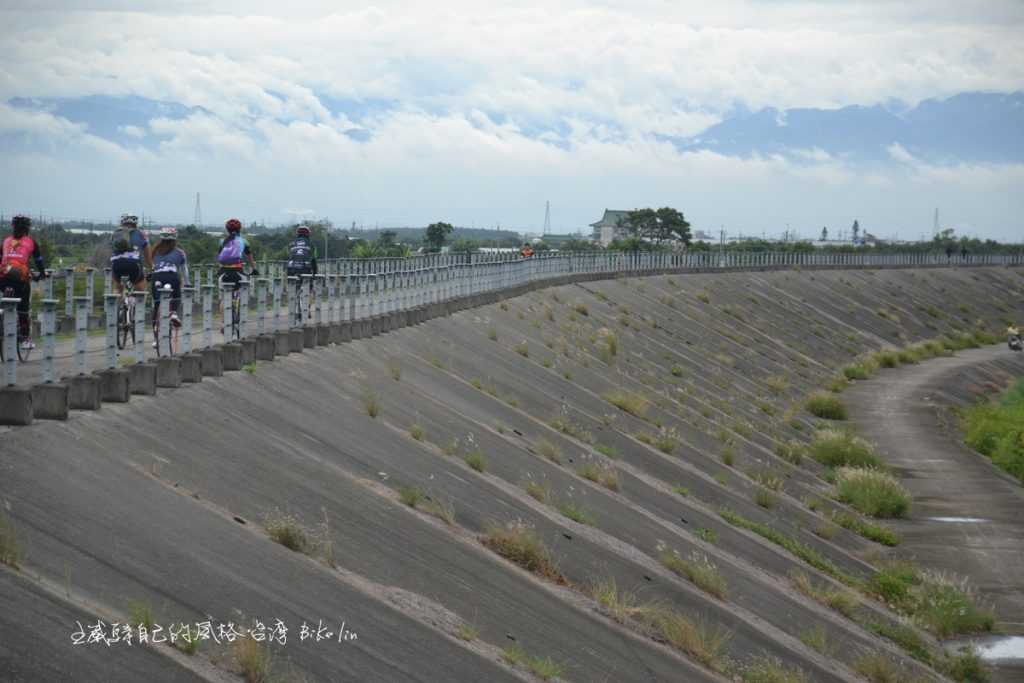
251	660
287	530
698	569
770	670
628	401
605	475
837	448
841	600
543	668
10	550
550	451
521	545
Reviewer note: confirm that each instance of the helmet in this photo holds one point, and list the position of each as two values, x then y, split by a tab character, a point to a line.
129	220
21	223
168	233
233	225
302	231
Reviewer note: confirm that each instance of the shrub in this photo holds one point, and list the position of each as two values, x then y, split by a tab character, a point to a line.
410	495
825	405
938	602
371	403
967	666
887	359
872	492
791	451
521	545
475	459
252	660
416	431
835	448
538	491
996	430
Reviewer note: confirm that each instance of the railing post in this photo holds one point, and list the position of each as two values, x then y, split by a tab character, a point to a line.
243	309
163	324
82	306
225	311
207	315
69	292
275	292
304	282
10	331
318	290
110	310
187	299
294	307
90	286
261	305
331	282
48	286
140	325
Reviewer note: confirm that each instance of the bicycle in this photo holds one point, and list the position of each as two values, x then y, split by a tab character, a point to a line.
24	350
235	331
126	314
173	323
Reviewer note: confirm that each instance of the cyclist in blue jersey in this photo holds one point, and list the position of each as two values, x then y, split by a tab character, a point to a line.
129	249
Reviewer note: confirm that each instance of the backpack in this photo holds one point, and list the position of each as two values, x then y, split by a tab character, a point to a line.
300	254
231	251
121	241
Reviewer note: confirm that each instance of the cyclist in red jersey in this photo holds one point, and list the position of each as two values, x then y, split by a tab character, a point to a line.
18	249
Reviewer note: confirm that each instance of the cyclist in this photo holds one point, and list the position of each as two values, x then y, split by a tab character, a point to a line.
234	252
129	249
302	255
18	248
526	251
170	267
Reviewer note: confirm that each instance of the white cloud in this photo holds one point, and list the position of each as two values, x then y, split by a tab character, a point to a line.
900	153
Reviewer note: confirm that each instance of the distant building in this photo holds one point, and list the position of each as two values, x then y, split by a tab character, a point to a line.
608	228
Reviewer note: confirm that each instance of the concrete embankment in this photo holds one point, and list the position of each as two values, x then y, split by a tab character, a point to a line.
616	419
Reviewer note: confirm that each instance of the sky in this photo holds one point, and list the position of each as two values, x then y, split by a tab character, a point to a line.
477	113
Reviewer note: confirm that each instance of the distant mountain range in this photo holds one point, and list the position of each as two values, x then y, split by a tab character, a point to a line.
983	127
972	127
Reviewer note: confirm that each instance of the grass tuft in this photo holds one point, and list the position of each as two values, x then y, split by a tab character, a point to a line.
475	459
837	448
550	451
698	570
872	492
521	545
544	669
10	550
252	660
826	405
286	529
770	670
628	402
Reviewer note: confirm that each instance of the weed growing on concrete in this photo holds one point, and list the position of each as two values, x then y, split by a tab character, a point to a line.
677	370
770	670
549	451
681	490
621	606
492	334
475	459
442	508
698	570
628	402
826	406
967	666
817	639
544	669
416	431
805	553
575	512
872	492
857	371
410	495
604	475
791	451
777	384
467	632
252	660
903	635
764	497
371	403
250	368
703	297
521	545
286	529
878	668
699	640
841	600
10	551
729	454
706	535
538	491
946	605
395	368
437	362
607	451
523	349
188	640
888	358
836	448
872	531
141	614
563	424
769	480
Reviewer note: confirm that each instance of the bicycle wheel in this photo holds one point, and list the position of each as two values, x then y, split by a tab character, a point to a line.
23	353
125	325
172	342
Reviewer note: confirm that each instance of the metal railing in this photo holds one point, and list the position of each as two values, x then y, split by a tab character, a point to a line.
348	290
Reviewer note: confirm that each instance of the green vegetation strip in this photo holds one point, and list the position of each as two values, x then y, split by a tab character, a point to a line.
996	430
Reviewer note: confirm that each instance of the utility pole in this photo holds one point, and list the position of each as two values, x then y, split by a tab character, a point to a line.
547	217
197	218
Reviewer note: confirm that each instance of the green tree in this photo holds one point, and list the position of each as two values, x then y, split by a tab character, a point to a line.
662	225
436	235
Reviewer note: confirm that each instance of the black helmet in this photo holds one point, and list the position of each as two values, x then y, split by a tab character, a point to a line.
21	224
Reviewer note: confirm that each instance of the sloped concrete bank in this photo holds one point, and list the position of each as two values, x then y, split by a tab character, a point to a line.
681	387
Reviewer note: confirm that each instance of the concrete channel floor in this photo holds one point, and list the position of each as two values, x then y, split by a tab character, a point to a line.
966	515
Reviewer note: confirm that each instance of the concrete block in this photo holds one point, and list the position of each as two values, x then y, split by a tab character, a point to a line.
213	362
323	334
374	326
296	340
168	372
115	385
51	401
355	330
248	350
142	378
191	367
84	392
397	320
345	332
266	347
309	336
16	406
231	356
282	342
